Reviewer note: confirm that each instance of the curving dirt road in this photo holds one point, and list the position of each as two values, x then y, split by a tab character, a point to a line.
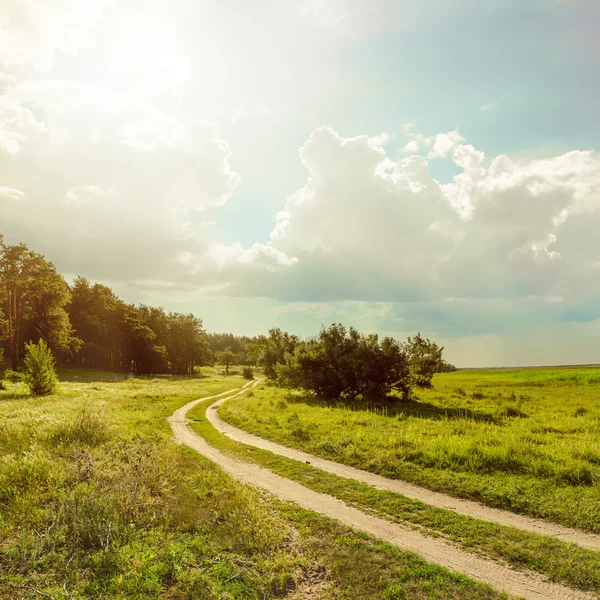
525	585
459	505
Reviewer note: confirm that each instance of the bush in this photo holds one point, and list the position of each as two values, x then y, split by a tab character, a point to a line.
2	385
13	376
342	363
39	372
248	373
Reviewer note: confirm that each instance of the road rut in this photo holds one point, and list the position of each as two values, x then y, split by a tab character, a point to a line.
530	586
469	508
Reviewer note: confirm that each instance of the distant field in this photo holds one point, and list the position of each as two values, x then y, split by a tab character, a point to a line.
97	501
524	439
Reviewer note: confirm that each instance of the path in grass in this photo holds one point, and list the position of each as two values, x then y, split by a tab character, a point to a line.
470	508
435	550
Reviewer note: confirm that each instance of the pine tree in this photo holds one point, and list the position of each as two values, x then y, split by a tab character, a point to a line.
40	374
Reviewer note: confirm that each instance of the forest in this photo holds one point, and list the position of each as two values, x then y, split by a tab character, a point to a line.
87	325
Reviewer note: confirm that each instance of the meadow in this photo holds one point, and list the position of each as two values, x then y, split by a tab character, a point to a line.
525	440
97	501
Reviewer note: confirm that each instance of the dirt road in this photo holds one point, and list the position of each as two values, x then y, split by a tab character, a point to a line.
464	507
526	585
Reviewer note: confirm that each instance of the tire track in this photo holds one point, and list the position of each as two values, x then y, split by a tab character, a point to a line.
525	585
469	508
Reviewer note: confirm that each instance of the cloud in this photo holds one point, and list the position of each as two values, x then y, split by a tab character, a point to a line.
486	107
11	194
105	185
381	139
365	228
33	32
417	140
445	143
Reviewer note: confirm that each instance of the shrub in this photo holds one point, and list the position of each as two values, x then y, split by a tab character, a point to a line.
424	359
341	363
40	374
248	373
2	385
13	376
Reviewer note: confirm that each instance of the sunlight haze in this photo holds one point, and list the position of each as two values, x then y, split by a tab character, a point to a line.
397	166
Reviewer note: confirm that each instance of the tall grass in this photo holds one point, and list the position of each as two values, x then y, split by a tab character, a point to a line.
487	435
97	501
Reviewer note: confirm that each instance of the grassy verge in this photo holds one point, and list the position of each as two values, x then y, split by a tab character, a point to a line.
559	561
525	441
97	501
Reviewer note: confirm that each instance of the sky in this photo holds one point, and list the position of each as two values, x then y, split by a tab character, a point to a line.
394	165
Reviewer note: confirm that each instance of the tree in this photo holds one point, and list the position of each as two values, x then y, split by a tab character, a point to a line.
33	297
270	351
341	363
227	358
424	359
39	371
186	344
94	314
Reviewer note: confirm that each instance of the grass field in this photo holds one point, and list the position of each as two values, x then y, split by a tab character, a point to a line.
524	440
96	501
562	562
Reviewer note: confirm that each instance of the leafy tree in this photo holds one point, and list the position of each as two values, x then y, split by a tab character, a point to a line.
447	367
33	297
424	358
227	358
39	371
94	314
341	363
270	351
238	344
186	343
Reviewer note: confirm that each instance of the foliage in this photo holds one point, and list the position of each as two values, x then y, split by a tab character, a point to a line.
270	351
227	358
248	372
33	297
238	343
528	445
39	372
342	363
97	501
424	359
13	376
129	338
447	367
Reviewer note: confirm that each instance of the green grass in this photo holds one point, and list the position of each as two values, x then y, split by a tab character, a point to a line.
97	501
521	440
559	561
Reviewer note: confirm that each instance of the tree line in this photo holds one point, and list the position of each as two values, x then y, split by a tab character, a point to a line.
342	363
86	324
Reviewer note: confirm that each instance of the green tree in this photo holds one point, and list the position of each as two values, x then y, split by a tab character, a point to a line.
186	343
270	351
424	359
342	363
39	370
33	297
94	314
226	357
